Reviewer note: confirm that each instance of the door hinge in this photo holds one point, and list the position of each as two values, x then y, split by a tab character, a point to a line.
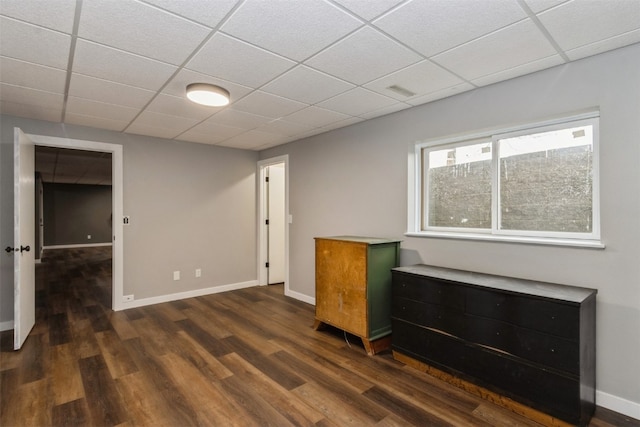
266	221
266	179
266	264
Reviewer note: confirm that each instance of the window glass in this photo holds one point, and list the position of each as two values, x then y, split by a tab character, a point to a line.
546	181
459	186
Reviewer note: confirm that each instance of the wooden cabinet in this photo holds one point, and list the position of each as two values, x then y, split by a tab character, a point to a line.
531	342
353	287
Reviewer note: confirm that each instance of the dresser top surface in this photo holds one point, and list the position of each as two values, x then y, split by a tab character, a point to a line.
360	239
567	293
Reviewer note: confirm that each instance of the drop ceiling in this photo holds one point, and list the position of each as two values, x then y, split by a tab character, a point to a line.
294	68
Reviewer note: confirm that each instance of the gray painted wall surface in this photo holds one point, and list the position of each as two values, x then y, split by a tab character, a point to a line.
74	211
191	206
353	181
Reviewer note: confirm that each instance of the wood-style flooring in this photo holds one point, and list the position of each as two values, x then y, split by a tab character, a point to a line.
243	358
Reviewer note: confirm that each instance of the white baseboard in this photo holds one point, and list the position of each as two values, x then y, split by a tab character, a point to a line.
300	297
79	245
6	326
618	404
187	294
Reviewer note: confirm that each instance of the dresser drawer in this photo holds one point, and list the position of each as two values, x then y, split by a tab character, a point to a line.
548	391
546	316
434	348
428	290
429	315
547	350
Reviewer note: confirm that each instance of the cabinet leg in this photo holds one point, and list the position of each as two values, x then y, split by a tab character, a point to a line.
373	347
318	325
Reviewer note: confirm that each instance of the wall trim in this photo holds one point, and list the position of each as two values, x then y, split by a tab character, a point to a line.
78	245
618	404
6	326
300	297
187	294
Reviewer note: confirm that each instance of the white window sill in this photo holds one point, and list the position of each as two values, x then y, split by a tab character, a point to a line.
575	243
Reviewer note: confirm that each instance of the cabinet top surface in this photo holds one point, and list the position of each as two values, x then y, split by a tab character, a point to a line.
522	286
360	239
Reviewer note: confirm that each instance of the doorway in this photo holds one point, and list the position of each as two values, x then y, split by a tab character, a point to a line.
116	173
273	222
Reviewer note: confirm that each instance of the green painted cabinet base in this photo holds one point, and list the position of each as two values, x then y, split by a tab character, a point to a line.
353	287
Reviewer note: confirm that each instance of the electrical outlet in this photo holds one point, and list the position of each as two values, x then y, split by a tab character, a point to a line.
88	236
127	298
176	275
198	272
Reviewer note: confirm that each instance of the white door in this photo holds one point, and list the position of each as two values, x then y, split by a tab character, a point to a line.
276	227
24	312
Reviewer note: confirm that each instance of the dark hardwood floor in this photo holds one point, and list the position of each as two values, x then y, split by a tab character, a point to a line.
245	358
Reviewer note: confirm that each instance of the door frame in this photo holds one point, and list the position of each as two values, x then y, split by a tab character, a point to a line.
262	216
117	187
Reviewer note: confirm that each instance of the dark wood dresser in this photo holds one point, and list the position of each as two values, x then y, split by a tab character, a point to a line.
529	344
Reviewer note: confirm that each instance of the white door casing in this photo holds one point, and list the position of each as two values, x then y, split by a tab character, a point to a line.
24	316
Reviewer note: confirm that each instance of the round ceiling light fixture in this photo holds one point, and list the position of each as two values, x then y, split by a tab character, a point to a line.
208	94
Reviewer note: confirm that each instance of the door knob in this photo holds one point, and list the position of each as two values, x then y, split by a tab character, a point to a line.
24	248
9	249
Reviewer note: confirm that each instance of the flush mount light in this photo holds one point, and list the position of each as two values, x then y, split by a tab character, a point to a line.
207	94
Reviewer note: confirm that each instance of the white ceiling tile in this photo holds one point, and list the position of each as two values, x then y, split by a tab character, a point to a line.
369	9
34	44
26	96
316	116
239	119
386	110
199	11
343	123
267	105
239	62
540	5
357	102
604	45
162	125
26	74
270	25
306	85
180	106
440	94
53	14
364	56
530	67
285	128
251	140
516	45
579	23
421	78
212	132
215	129
109	92
141	29
178	84
38	112
111	64
99	122
100	109
431	27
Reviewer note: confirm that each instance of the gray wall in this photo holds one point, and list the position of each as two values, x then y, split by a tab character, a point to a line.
354	181
74	211
191	206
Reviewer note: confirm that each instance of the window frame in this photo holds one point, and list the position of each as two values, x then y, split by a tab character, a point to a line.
418	209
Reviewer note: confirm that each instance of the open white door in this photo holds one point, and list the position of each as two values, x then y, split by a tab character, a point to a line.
24	312
276	227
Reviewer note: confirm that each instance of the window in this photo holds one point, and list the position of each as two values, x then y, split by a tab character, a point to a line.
537	183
